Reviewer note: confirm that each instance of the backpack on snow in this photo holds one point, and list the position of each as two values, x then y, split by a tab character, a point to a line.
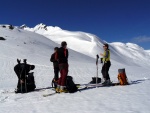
28	86
122	78
30	82
70	85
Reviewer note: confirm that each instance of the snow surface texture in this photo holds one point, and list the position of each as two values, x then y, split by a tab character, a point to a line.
36	45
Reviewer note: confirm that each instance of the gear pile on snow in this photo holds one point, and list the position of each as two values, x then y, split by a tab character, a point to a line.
26	81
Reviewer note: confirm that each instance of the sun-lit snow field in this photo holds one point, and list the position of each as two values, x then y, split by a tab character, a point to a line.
36	45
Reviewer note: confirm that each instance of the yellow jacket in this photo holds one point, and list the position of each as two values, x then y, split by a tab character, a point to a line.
106	56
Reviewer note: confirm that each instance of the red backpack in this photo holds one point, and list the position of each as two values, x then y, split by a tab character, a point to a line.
122	78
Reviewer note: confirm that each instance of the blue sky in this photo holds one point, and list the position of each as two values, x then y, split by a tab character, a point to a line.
111	20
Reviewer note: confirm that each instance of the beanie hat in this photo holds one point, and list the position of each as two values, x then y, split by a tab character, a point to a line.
64	43
106	45
55	48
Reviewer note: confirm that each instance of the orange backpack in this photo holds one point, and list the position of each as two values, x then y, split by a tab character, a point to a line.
122	78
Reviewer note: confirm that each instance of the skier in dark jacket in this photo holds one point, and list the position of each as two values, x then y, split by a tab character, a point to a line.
55	66
22	70
62	58
106	65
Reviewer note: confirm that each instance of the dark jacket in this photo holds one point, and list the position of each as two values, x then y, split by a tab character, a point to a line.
55	62
62	55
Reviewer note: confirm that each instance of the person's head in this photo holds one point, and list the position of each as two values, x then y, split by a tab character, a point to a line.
55	49
64	44
106	46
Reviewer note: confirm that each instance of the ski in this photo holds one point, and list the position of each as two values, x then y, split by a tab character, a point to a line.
50	94
95	85
86	85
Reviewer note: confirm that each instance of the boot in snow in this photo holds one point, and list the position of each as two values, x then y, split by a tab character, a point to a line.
63	89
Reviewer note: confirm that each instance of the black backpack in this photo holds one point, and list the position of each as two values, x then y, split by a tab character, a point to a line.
30	82
28	86
70	85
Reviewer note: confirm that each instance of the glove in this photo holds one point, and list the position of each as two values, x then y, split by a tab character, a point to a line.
97	56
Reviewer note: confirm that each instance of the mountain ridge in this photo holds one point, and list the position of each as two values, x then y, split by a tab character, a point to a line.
82	42
90	44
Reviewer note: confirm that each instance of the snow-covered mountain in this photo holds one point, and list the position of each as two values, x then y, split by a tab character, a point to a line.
91	45
36	45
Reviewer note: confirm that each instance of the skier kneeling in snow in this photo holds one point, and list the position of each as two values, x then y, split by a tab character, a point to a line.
62	58
25	79
106	65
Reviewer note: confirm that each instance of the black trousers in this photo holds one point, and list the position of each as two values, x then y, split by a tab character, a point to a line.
56	73
105	70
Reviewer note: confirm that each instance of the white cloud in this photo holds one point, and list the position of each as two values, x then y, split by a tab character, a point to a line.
141	39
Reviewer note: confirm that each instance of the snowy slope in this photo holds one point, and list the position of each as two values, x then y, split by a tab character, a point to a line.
31	46
37	48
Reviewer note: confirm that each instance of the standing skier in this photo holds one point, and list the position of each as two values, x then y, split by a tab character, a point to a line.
55	65
106	65
62	58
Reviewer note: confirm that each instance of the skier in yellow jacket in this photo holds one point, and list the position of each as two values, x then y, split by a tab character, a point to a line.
106	64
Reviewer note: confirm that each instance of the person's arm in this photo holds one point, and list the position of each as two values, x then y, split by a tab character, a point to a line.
67	53
52	59
106	55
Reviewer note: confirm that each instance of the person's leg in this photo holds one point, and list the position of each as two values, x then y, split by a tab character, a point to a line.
103	71
107	70
60	78
56	72
59	81
55	79
64	76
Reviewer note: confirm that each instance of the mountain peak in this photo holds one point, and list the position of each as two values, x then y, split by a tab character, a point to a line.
23	26
41	26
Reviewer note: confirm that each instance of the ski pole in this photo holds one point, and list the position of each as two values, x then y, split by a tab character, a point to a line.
25	66
21	80
25	82
97	57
